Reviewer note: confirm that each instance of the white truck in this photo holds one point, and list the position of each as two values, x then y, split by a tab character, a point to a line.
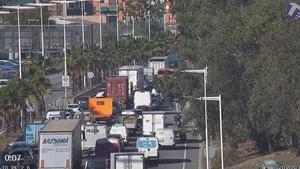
135	76
130	160
149	146
152	121
157	63
59	145
142	99
92	133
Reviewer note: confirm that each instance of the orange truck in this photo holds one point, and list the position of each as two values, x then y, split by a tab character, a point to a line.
100	108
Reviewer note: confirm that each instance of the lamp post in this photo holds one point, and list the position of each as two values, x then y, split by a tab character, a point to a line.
18	8
117	14
218	98
204	72
100	26
41	5
64	2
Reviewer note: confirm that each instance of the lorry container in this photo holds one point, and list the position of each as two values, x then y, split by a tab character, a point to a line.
100	108
142	100
32	132
148	74
117	89
152	121
157	63
135	76
60	145
165	137
93	132
130	160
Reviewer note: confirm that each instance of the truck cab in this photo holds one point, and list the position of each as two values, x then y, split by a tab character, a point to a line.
149	146
165	137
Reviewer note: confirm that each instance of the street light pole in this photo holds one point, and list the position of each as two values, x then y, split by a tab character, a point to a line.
19	42
221	127
18	8
204	72
82	24
100	26
65	44
117	14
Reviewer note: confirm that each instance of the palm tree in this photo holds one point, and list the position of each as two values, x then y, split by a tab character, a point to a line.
13	101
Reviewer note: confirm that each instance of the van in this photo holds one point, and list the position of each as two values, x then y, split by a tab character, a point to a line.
148	146
55	114
120	129
104	147
165	137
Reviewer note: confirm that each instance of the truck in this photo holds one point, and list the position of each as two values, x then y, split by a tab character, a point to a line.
152	121
149	146
130	160
32	132
135	76
148	74
142	100
117	89
157	63
100	108
130	121
92	133
60	144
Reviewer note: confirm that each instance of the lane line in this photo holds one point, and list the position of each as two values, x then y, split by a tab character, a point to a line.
184	157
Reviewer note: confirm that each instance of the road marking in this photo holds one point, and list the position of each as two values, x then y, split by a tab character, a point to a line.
184	156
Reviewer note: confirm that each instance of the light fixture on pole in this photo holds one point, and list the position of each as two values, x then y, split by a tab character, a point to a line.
18	8
204	72
218	98
64	2
41	5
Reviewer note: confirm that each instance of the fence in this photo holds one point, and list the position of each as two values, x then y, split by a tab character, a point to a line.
53	36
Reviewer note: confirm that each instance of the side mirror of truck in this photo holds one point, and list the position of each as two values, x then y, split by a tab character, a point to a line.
83	136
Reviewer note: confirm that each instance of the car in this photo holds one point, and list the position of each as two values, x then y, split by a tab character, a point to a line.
55	117
25	157
83	102
74	107
270	164
17	144
55	114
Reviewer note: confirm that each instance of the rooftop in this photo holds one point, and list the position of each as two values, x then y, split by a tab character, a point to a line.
61	125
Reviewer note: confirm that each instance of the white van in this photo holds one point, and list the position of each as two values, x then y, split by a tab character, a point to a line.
149	146
120	129
55	114
165	137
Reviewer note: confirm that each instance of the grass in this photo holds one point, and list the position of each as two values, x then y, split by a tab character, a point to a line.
247	157
5	139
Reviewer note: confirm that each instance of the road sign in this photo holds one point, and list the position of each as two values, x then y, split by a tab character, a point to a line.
65	81
211	152
90	75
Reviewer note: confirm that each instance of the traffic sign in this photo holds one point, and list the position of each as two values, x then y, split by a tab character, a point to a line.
211	152
90	75
65	81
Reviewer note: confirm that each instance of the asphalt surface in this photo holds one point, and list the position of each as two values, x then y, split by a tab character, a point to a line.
57	90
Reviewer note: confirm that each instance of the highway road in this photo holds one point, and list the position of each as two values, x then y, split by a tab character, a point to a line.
184	156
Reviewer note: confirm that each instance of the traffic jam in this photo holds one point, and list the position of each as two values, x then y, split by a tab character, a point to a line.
121	124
